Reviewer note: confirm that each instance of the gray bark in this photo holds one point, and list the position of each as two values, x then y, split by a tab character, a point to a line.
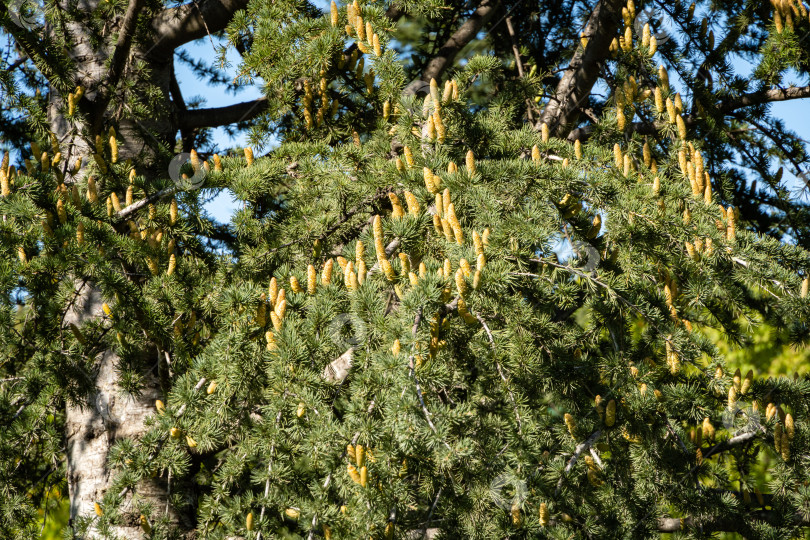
137	138
94	426
573	90
108	414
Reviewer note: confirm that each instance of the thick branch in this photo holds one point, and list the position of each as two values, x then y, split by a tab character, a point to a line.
179	25
124	43
134	207
583	71
186	135
581	447
460	38
119	59
723	446
767	96
222	116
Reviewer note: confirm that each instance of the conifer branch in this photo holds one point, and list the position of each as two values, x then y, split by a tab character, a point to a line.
412	368
728	106
724	446
675	436
343	454
430	513
425	411
500	372
267	482
338	369
611	291
41	51
381	194
746	264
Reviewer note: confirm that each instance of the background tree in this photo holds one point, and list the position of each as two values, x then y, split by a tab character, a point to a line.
391	347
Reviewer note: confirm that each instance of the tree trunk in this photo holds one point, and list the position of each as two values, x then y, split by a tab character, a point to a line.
109	414
104	106
93	427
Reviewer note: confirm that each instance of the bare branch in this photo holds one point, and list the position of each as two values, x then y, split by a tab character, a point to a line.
581	447
460	38
767	96
515	48
179	25
222	116
134	207
17	63
124	43
575	86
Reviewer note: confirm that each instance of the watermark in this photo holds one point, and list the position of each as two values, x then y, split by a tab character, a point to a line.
741	418
592	257
659	21
508	491
804	176
346	331
26	13
179	168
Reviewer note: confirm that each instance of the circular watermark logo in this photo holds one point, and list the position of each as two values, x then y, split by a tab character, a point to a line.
508	491
26	13
659	21
592	257
346	331
181	178
741	418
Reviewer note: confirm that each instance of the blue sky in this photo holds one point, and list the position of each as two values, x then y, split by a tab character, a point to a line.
222	207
